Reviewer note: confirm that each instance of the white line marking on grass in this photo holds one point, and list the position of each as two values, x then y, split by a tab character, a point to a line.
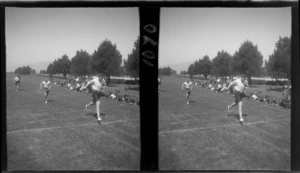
64	127
63	112
222	126
215	111
205	113
46	113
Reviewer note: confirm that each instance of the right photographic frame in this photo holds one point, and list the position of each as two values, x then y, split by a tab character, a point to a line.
225	89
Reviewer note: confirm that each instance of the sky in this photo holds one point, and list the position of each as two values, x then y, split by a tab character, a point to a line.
36	35
187	34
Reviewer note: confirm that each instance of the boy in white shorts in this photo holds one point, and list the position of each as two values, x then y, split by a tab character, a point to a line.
188	86
239	92
46	85
97	85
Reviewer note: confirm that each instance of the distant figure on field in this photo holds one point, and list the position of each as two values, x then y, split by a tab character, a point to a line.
46	85
188	86
159	81
17	81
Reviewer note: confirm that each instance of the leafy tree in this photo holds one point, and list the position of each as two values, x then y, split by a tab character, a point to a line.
43	71
248	60
90	65
132	63
106	60
222	64
122	71
204	66
166	71
279	64
183	72
192	70
32	71
50	69
62	65
25	70
79	63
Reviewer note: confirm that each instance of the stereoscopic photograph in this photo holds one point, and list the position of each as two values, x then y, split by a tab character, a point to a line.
72	87
225	89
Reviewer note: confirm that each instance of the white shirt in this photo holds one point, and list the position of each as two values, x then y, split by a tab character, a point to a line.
16	79
188	85
239	85
46	84
96	84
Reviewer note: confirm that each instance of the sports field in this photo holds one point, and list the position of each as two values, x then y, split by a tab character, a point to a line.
61	135
205	136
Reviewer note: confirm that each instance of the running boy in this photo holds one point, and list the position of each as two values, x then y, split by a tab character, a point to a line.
188	85
239	92
97	85
45	85
17	81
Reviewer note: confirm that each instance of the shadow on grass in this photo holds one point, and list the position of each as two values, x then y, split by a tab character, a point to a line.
237	116
21	89
49	101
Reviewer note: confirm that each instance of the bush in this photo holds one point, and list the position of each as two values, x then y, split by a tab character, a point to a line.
116	81
130	82
281	83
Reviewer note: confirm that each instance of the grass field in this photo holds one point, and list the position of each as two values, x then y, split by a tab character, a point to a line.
61	135
205	136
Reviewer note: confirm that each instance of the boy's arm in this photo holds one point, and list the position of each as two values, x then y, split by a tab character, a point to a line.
88	84
231	83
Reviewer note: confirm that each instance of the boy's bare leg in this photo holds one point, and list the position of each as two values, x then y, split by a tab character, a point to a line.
98	110
88	105
229	106
240	111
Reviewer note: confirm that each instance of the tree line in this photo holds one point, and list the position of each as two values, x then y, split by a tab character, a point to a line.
105	60
166	71
247	61
25	70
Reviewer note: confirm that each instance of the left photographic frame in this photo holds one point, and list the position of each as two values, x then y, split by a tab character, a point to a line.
72	89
